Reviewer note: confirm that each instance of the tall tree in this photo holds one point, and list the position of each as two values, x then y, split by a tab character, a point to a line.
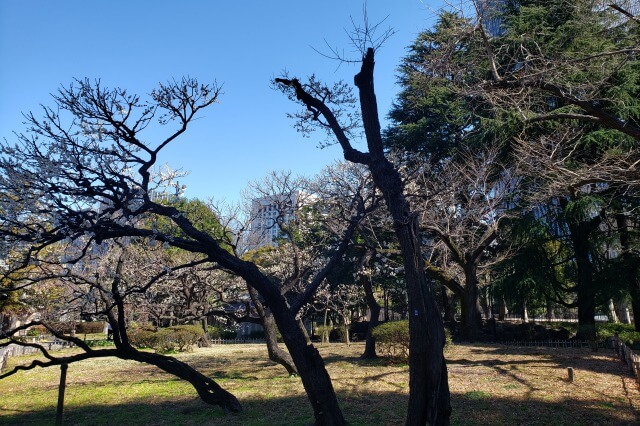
429	399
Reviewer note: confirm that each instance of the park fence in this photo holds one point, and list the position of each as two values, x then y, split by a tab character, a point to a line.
235	341
18	350
627	356
554	343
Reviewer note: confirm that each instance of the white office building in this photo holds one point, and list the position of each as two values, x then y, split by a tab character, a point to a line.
267	214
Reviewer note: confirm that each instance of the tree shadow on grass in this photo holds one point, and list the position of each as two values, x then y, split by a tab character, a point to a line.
360	409
602	361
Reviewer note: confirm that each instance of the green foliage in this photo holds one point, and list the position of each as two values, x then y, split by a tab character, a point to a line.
214	332
392	339
630	338
626	332
179	338
201	216
430	116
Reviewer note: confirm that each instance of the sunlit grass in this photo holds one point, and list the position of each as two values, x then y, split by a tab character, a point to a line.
489	384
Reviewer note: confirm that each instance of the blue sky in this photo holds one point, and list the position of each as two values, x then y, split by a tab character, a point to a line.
241	45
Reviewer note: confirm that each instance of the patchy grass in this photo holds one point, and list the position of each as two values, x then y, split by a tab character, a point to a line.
489	385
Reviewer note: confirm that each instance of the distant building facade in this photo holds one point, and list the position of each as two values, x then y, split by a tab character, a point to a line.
267	214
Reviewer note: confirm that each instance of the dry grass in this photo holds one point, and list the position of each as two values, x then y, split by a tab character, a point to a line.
489	384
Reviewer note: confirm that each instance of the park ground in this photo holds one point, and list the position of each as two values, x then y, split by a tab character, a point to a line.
490	385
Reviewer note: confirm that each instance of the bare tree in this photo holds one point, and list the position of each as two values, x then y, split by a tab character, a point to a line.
429	389
463	202
105	282
299	220
86	169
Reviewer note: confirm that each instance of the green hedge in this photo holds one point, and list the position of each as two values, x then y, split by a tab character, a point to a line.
392	339
179	338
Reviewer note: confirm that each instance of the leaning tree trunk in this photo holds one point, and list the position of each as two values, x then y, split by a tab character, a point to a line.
364	276
310	365
208	390
428	385
270	335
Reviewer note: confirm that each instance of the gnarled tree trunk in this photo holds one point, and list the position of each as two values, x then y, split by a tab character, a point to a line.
310	366
276	354
429	399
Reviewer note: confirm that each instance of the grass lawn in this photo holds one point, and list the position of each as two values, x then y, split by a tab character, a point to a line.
490	385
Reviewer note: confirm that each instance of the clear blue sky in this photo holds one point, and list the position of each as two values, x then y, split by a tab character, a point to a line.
241	45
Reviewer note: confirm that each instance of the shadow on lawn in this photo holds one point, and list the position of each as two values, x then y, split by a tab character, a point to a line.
584	358
360	409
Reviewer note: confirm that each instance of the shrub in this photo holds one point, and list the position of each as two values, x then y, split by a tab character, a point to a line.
392	339
607	330
448	339
185	336
90	327
142	337
180	338
630	338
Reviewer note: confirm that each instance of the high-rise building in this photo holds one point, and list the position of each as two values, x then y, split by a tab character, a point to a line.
267	213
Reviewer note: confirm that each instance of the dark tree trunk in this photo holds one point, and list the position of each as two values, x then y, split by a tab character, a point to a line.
447	303
429	400
364	277
631	267
310	365
586	297
270	335
208	390
585	287
428	385
471	318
